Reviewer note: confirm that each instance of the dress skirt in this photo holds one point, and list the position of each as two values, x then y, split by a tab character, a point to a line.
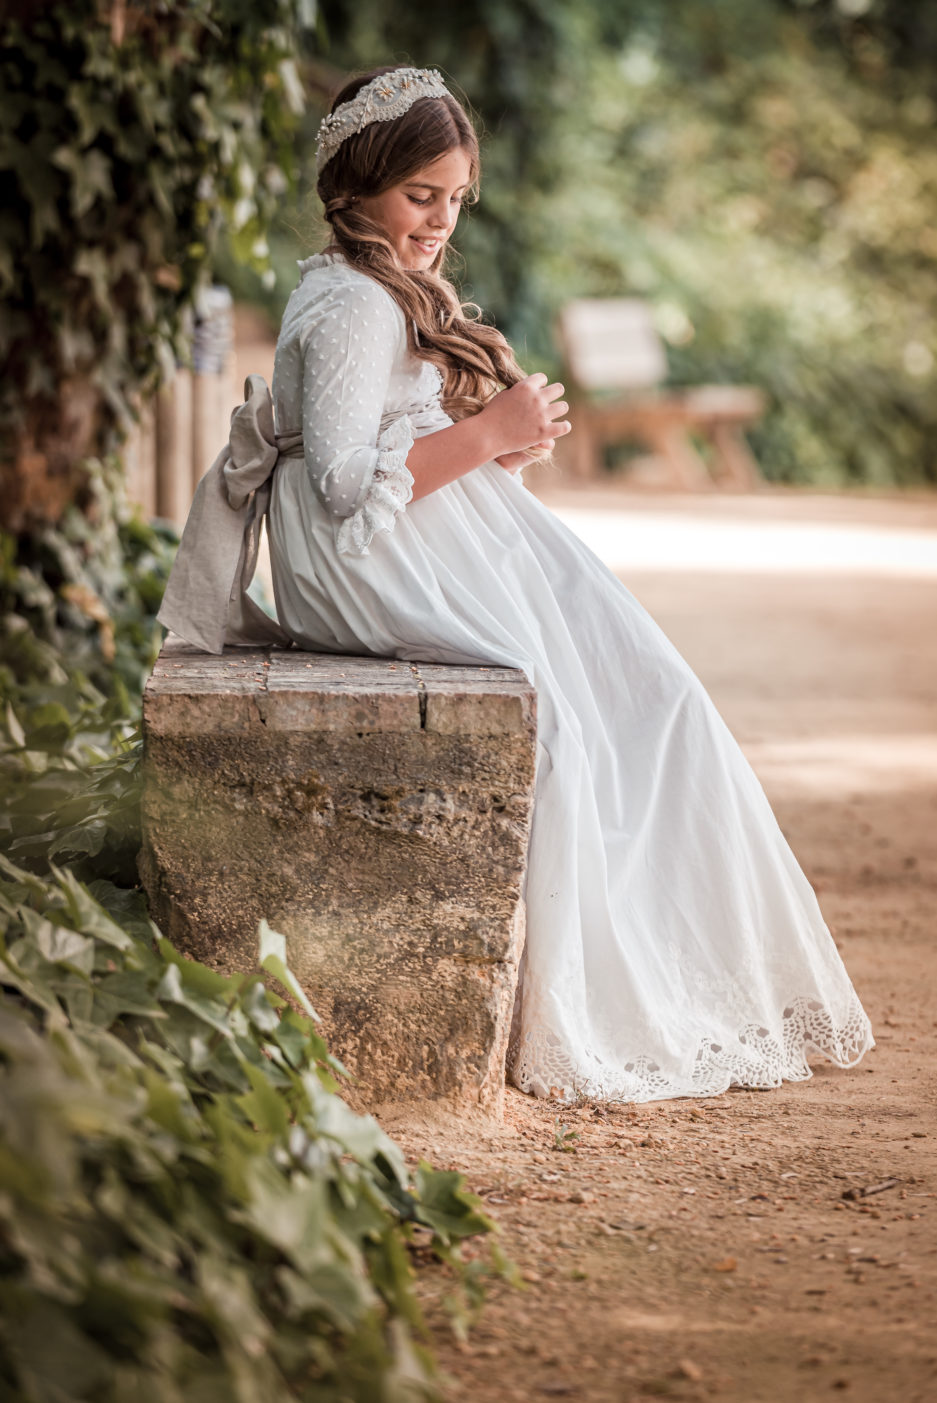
674	946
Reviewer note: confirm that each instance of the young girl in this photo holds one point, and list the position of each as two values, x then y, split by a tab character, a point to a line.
674	947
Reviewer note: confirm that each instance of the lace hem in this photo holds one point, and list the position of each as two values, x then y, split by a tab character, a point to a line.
759	1059
390	489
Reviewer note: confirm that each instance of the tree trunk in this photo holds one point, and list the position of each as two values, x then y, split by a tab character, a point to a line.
45	472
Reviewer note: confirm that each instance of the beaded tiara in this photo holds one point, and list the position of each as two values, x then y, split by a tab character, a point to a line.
384	98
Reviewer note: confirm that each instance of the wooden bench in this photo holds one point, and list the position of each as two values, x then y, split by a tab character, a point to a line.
376	812
616	366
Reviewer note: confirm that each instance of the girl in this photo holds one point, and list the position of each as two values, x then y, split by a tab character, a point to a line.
674	947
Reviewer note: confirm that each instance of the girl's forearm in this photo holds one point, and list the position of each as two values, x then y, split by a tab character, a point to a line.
441	457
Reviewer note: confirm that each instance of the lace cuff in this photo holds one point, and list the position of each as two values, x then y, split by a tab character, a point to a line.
390	489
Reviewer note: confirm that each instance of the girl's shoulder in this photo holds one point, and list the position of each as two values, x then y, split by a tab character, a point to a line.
329	285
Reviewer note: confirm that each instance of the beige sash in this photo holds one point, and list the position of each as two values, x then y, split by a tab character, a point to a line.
206	600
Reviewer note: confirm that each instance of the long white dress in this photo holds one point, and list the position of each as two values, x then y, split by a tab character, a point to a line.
674	946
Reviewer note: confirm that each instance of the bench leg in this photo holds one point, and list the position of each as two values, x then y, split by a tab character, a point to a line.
584	448
737	465
672	443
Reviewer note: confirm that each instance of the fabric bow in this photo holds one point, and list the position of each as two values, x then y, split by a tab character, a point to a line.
206	600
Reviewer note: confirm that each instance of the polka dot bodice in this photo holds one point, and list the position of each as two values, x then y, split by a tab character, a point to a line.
344	375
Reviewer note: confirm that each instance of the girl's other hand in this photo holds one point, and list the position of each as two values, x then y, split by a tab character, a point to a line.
530	412
513	461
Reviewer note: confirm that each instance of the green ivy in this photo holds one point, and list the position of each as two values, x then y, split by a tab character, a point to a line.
123	154
188	1210
78	636
78	601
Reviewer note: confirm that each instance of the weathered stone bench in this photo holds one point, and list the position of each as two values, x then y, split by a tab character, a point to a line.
376	812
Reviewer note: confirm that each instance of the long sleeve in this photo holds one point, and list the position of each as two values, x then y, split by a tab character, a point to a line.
350	344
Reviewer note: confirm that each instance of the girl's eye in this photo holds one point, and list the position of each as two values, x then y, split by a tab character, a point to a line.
456	200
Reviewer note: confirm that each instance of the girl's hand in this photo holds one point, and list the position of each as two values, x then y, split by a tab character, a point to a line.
530	412
513	461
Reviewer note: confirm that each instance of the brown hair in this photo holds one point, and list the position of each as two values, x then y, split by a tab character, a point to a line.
474	359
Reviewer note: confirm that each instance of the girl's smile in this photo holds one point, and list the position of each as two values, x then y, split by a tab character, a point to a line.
420	213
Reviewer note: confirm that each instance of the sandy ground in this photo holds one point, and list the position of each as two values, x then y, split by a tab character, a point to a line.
705	1249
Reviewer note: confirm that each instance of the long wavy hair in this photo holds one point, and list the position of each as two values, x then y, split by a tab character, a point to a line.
474	359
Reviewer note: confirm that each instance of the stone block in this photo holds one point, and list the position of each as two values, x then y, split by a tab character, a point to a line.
377	813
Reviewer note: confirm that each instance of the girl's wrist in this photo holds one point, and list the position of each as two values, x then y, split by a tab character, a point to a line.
490	442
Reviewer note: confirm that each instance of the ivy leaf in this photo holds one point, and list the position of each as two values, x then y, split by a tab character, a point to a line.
199	979
127	908
87	916
290	1215
93	264
330	1289
85	840
445	1204
49	726
61	946
171	990
56	1360
44	189
14	729
124	994
360	1136
90	172
273	960
263	1105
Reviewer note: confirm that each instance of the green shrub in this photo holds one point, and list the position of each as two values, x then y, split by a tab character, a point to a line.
188	1210
78	636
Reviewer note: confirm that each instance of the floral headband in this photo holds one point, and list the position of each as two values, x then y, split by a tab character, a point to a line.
381	100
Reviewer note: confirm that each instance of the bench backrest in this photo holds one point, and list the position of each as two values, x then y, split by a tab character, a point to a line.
612	344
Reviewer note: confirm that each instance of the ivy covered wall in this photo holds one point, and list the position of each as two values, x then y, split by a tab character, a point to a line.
130	135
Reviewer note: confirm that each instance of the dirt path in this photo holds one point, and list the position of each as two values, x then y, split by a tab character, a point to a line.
704	1249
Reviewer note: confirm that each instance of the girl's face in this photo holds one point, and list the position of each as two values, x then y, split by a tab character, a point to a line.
420	213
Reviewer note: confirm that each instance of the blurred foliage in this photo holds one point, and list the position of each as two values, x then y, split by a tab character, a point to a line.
779	212
878	38
79	602
78	636
764	172
130	135
188	1210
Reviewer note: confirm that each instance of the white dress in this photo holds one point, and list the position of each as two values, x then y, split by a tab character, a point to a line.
674	947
